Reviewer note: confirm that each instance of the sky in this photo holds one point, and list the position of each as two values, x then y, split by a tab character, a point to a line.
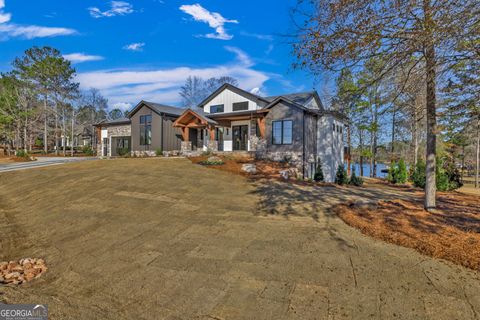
145	49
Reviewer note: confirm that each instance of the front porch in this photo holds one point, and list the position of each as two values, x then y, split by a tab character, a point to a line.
221	132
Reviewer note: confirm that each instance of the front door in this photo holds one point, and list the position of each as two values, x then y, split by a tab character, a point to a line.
219	138
240	137
193	138
105	147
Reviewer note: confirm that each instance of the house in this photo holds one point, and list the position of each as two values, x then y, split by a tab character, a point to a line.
147	130
294	127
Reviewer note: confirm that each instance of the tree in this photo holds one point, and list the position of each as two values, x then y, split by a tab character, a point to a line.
115	114
338	33
341	177
319	173
196	89
46	70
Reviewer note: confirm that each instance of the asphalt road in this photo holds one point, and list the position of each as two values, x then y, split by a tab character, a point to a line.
40	162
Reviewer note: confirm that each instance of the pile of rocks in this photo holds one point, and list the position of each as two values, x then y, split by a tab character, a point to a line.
22	271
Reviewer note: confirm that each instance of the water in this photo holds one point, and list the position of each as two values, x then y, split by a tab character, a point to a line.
366	169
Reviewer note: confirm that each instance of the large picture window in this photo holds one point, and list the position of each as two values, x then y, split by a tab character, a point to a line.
217	108
282	132
240	106
146	130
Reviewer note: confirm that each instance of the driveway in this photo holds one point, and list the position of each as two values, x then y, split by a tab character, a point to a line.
40	162
165	239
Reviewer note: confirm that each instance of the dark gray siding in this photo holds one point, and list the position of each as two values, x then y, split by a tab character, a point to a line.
171	135
282	111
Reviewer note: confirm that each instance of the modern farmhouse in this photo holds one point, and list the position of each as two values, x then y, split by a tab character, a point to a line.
293	127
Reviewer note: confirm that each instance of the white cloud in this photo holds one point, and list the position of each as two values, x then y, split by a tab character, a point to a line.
213	19
8	30
162	85
242	57
138	46
81	57
30	32
258	36
117	8
4	17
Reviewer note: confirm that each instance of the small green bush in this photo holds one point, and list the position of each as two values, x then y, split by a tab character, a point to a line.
159	152
397	173
418	177
318	176
212	163
87	150
355	180
22	154
341	175
123	152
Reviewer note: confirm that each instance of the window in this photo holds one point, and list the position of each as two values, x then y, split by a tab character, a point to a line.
216	109
282	132
334	127
146	130
240	106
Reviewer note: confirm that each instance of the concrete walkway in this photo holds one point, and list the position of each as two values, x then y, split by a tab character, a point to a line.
165	239
40	162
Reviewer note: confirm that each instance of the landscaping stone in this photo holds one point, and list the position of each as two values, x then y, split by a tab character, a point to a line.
249	168
214	159
19	272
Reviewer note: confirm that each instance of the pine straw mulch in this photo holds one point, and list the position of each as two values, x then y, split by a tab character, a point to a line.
452	232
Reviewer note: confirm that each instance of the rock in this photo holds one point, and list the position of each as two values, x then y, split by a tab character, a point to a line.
285	174
249	168
12	275
3	266
214	159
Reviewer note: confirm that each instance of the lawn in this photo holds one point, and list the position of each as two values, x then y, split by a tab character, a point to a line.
168	239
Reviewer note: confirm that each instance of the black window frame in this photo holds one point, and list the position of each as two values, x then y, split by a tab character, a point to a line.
282	132
217	106
240	103
145	128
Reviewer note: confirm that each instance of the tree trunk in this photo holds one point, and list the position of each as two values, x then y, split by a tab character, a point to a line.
56	129
477	156
64	133
393	132
360	142
415	139
349	144
430	186
45	134
73	130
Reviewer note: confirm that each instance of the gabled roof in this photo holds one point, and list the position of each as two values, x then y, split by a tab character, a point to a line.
190	114
249	95
293	103
301	98
158	108
112	122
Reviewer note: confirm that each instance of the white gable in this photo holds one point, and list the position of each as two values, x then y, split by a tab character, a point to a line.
227	98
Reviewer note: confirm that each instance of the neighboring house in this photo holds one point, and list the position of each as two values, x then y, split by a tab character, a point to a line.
148	129
114	137
293	127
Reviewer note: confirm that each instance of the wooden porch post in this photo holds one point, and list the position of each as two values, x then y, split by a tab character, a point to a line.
261	126
186	133
212	133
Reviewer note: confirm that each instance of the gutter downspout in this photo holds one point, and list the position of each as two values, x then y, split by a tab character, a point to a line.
162	115
303	156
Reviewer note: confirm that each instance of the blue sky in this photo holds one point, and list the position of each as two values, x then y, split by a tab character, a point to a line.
144	49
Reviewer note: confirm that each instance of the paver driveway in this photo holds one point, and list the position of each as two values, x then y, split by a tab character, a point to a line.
165	239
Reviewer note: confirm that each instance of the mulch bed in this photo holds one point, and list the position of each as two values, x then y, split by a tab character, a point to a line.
452	232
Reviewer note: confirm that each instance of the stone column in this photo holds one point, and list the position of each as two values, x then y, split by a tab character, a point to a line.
213	145
186	146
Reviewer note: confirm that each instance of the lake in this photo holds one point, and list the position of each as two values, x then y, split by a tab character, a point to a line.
366	169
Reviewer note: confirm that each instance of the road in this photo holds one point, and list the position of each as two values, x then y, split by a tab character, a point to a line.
41	162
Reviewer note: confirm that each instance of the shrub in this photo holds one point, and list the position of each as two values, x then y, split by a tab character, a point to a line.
123	152
355	180
87	150
418	177
38	142
341	176
318	176
22	154
212	162
159	152
447	175
397	173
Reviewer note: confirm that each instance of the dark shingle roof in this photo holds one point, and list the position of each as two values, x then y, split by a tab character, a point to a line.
301	98
113	122
161	108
